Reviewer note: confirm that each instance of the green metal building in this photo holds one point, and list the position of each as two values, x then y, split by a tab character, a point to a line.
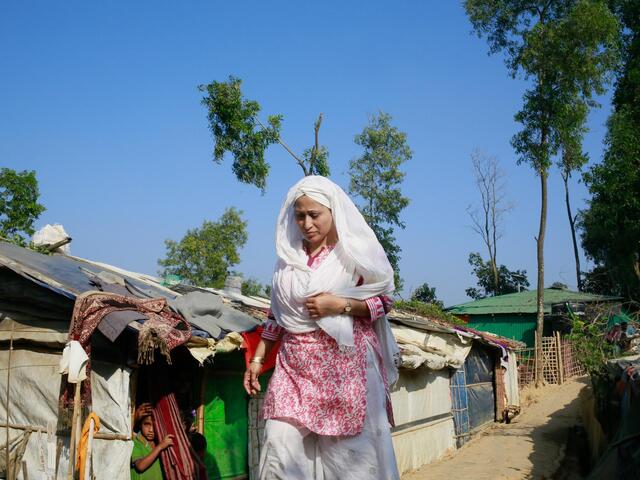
514	315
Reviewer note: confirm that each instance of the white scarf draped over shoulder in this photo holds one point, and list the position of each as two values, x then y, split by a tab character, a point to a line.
357	254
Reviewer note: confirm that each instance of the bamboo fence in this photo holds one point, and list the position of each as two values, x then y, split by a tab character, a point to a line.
559	361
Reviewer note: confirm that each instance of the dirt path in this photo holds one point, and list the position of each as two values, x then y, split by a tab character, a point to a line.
531	447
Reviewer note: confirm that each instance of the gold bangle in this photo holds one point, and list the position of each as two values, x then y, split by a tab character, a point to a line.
259	360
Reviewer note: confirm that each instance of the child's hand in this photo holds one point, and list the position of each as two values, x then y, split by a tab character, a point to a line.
166	442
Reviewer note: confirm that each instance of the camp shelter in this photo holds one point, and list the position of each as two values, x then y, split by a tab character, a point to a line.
453	381
514	315
37	294
613	425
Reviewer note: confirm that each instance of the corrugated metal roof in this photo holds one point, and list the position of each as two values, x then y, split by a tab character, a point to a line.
525	302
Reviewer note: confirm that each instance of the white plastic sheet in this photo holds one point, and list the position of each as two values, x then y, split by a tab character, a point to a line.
34	392
430	349
511	380
422	411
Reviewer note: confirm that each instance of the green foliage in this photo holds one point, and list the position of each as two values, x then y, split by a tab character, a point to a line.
611	223
588	337
376	179
252	288
559	286
317	161
599	281
509	279
567	48
428	310
426	294
205	255
19	207
235	127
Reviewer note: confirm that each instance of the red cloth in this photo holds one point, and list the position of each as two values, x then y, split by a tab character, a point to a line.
251	340
177	463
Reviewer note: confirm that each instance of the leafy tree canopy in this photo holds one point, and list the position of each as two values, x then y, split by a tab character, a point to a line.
236	129
510	280
376	179
611	223
205	255
19	207
253	288
425	293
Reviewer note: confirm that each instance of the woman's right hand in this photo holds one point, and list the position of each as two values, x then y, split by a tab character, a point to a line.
251	383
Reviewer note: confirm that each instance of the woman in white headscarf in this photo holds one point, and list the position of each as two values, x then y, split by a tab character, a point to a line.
327	407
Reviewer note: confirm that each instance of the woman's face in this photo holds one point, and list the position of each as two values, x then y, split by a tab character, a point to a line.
314	221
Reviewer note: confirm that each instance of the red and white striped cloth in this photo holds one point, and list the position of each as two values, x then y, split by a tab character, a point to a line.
177	463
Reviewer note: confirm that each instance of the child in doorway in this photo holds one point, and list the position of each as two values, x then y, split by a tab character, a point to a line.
145	464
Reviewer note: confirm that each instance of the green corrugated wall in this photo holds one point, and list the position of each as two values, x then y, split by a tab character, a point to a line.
516	326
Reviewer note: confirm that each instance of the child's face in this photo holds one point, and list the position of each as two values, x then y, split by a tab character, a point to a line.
146	427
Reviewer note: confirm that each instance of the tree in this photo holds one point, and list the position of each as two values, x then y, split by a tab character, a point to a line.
19	207
205	255
237	129
510	281
572	159
376	179
559	286
565	48
610	224
489	180
426	294
252	288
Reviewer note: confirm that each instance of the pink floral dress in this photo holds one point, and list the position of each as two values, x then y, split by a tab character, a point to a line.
317	385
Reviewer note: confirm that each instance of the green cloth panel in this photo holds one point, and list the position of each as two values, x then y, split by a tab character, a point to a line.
226	426
226	420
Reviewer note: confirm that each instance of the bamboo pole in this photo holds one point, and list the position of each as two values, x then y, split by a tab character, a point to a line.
560	357
535	359
200	411
8	455
74	430
98	435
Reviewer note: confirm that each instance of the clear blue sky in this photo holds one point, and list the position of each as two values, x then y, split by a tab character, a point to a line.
100	98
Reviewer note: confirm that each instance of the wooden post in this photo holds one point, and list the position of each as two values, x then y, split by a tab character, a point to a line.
74	431
8	456
536	359
200	411
560	357
133	391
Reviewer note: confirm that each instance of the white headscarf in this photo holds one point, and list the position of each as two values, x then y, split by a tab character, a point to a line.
358	253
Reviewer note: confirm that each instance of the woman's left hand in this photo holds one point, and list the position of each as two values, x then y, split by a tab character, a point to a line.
325	304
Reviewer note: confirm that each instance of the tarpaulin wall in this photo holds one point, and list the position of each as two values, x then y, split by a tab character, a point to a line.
422	409
473	392
34	392
478	369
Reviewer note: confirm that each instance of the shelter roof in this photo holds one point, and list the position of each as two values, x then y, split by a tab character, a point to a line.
525	302
434	325
70	276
